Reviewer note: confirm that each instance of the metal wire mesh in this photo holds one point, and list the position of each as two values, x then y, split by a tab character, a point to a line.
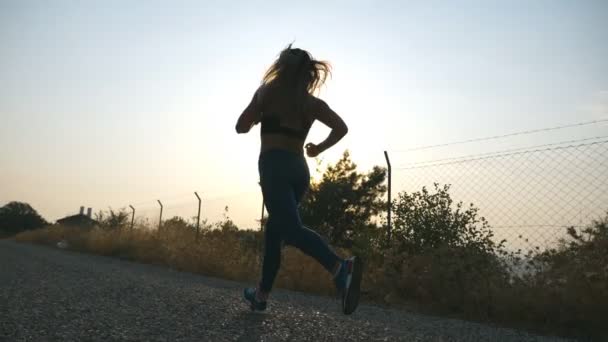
528	196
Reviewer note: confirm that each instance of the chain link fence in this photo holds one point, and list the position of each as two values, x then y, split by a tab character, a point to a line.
529	196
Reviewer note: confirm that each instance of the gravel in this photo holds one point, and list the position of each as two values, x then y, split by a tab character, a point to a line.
48	294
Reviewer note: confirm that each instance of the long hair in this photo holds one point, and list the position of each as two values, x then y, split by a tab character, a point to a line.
296	72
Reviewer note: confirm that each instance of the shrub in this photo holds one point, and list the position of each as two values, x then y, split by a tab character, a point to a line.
441	257
443	254
571	282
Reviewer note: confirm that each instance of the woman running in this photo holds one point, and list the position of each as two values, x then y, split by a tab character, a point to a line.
286	108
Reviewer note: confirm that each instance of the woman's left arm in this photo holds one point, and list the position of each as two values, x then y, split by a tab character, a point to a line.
250	116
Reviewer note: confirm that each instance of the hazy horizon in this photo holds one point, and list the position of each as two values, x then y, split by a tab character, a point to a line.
106	104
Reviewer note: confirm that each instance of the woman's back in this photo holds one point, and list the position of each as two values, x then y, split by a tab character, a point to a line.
285	120
285	105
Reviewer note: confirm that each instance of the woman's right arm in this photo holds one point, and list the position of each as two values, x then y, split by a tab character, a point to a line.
331	119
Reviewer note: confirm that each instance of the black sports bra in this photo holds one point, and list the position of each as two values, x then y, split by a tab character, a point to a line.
272	125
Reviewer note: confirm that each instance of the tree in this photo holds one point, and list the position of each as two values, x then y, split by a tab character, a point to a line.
584	255
425	221
344	202
16	217
178	223
113	219
227	225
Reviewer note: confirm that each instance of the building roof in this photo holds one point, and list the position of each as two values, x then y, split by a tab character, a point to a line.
78	220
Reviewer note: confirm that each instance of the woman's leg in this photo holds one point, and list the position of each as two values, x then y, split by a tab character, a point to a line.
278	198
305	239
272	254
284	224
311	243
284	179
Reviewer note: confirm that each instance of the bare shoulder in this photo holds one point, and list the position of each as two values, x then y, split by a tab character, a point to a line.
321	111
261	92
317	106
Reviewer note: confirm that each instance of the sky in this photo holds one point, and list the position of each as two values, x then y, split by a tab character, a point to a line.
110	103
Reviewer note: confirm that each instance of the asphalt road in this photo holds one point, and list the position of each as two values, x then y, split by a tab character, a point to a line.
48	294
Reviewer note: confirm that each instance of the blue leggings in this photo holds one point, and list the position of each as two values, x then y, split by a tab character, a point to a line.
284	177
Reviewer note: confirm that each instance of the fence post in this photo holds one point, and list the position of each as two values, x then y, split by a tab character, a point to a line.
198	216
262	217
132	216
160	219
261	258
389	204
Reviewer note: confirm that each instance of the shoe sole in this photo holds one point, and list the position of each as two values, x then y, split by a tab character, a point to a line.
350	300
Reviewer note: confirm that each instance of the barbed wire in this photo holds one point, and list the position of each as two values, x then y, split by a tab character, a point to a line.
531	196
497	153
150	204
504	155
579	124
538	226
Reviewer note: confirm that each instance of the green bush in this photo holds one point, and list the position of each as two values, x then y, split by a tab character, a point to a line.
442	254
570	285
425	221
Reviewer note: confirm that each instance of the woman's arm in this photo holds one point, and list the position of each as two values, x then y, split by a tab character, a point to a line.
250	116
332	120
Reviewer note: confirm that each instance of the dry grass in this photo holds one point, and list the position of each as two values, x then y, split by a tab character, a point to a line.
570	299
228	255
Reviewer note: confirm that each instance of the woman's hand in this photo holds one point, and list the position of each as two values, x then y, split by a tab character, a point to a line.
312	150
